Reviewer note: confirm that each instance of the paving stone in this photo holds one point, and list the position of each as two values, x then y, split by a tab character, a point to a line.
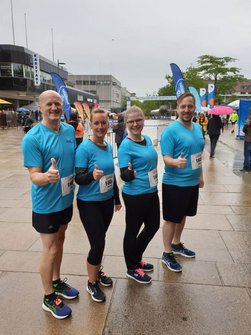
178	309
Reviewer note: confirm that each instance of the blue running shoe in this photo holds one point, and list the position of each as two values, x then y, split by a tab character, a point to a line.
147	267
180	249
139	275
65	290
169	260
56	307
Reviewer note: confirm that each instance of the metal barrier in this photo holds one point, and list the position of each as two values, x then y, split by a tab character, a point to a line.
154	131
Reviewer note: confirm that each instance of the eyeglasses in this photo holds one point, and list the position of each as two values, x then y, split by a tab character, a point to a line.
131	122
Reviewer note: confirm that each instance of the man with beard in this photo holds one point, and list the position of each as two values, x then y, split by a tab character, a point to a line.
182	145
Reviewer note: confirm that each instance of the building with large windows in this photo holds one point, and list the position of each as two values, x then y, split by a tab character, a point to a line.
24	75
106	87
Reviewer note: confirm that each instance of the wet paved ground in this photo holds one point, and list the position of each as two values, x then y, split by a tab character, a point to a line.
211	296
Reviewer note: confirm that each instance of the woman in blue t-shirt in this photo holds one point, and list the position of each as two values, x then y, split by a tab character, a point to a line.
97	195
138	166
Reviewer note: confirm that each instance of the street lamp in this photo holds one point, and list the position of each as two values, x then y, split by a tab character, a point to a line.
60	63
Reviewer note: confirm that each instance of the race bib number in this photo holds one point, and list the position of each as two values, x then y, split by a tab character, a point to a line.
196	161
67	185
106	183
153	177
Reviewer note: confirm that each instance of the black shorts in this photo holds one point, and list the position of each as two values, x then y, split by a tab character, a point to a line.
178	202
50	223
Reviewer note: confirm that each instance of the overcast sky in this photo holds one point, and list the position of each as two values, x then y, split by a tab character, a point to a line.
134	40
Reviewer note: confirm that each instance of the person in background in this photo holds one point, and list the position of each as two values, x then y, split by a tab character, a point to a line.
214	128
138	169
79	128
119	130
233	119
48	150
28	123
182	144
247	144
97	197
203	121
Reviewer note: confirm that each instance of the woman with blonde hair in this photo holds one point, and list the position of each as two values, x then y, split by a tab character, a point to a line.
138	166
97	197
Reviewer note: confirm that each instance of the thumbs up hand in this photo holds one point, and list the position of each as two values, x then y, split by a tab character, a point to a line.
97	174
53	174
181	161
130	169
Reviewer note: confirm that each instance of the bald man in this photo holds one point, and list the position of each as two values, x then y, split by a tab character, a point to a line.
48	150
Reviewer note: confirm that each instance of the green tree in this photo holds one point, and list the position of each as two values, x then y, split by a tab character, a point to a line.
219	71
192	78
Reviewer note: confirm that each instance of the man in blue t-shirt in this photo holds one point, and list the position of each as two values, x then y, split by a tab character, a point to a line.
48	150
182	144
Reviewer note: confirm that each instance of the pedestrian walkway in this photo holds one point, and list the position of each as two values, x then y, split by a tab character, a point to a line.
211	296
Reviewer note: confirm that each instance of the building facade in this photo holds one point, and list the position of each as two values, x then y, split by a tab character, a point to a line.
106	87
23	77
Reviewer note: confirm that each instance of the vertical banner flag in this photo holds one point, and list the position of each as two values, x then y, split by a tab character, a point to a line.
197	98
36	68
203	97
179	83
211	95
62	91
87	110
79	109
128	102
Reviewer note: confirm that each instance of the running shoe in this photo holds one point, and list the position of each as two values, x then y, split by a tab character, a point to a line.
169	260
147	267
103	279
56	307
139	275
65	290
180	249
96	293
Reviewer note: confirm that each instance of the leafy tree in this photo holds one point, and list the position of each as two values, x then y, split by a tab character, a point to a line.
192	78
219	71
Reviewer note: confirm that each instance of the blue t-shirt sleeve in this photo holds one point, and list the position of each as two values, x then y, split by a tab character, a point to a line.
123	155
32	153
167	143
82	156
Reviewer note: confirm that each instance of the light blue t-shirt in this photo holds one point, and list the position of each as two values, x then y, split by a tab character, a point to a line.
144	161
88	155
41	144
177	139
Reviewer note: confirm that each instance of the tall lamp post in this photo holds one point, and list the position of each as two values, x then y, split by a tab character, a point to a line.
12	21
60	63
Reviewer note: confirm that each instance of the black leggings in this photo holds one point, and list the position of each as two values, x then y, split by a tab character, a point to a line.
96	217
143	208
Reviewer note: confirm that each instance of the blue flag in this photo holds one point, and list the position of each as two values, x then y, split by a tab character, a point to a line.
210	98
179	83
62	91
197	98
203	97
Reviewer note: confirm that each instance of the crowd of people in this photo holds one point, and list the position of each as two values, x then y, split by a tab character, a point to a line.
57	158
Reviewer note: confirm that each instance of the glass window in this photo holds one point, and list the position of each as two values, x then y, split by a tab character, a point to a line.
86	82
79	82
92	82
18	70
5	70
107	82
27	72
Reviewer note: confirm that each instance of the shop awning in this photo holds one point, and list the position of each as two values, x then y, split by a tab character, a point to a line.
4	102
